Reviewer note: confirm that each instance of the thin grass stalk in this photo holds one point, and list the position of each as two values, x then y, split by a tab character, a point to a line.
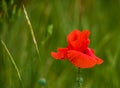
31	29
13	62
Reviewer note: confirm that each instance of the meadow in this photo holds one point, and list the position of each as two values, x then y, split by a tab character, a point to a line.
31	29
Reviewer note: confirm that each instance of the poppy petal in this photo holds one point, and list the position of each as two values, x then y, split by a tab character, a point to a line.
61	54
99	61
80	59
78	40
90	52
72	39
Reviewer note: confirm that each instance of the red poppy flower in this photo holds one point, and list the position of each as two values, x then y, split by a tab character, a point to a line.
77	51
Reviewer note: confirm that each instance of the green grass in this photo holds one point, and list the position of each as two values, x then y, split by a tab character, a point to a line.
29	34
12	61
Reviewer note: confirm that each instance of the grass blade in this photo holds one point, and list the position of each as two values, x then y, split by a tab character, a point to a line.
31	29
13	62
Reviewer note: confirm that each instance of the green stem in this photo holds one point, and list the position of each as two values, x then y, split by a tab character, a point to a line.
79	78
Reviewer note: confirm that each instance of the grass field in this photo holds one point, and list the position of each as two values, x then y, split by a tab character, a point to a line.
31	29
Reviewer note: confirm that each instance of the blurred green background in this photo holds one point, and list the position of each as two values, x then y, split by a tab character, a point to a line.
52	20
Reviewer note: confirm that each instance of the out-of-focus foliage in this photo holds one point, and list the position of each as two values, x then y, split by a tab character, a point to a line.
52	20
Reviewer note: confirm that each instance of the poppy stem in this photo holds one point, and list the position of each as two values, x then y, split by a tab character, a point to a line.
79	79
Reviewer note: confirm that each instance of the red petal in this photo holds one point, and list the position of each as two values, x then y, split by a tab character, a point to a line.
81	60
78	40
99	61
72	39
61	54
90	52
